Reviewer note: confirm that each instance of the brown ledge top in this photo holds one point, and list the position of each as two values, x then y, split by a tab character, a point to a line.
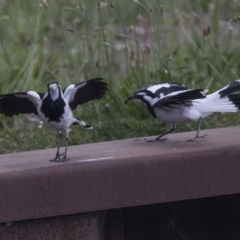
119	174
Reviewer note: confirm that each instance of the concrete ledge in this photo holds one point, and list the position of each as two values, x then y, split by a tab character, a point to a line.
119	174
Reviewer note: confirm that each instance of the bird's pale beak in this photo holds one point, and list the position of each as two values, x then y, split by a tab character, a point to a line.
131	99
53	87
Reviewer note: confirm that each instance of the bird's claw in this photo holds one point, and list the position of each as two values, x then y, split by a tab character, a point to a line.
65	159
59	159
157	139
192	140
137	140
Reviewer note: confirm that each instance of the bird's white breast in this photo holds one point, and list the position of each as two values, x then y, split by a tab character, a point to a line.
65	123
180	114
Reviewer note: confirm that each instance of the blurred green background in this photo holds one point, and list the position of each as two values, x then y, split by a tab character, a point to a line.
130	43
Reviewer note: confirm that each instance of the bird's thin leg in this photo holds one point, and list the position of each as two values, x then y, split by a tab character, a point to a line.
198	130
159	138
58	145
65	159
58	155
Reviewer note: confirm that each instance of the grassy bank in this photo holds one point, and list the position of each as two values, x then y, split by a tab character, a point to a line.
130	43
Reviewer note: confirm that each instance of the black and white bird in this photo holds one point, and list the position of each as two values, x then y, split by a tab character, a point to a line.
174	103
55	107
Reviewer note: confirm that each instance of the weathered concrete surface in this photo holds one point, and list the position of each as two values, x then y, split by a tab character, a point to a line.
119	174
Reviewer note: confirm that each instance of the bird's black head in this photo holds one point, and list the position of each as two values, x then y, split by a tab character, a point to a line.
146	97
142	95
134	98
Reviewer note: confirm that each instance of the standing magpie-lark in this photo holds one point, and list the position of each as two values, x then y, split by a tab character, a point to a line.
174	103
55	107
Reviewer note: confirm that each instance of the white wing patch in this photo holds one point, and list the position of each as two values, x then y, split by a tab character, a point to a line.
68	91
154	88
152	101
33	97
71	90
162	95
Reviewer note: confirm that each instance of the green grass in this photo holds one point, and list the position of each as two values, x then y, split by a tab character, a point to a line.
71	42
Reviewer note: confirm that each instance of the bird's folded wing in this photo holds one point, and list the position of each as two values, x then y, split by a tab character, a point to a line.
181	97
85	91
173	87
16	103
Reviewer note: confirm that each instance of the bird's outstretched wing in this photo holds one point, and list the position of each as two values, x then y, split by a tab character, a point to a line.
77	94
21	102
184	97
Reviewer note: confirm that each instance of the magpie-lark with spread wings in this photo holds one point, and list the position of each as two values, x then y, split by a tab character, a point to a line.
174	103
55	107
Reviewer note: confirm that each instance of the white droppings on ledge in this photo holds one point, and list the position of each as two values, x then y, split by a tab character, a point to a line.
95	159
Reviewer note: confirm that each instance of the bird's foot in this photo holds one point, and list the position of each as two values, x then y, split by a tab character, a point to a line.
59	159
65	159
192	140
157	139
138	139
56	159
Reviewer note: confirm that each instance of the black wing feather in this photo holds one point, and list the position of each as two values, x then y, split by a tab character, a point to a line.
235	98
11	104
174	87
93	89
181	98
231	88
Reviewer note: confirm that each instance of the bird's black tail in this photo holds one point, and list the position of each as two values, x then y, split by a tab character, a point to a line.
229	89
235	98
81	123
224	100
